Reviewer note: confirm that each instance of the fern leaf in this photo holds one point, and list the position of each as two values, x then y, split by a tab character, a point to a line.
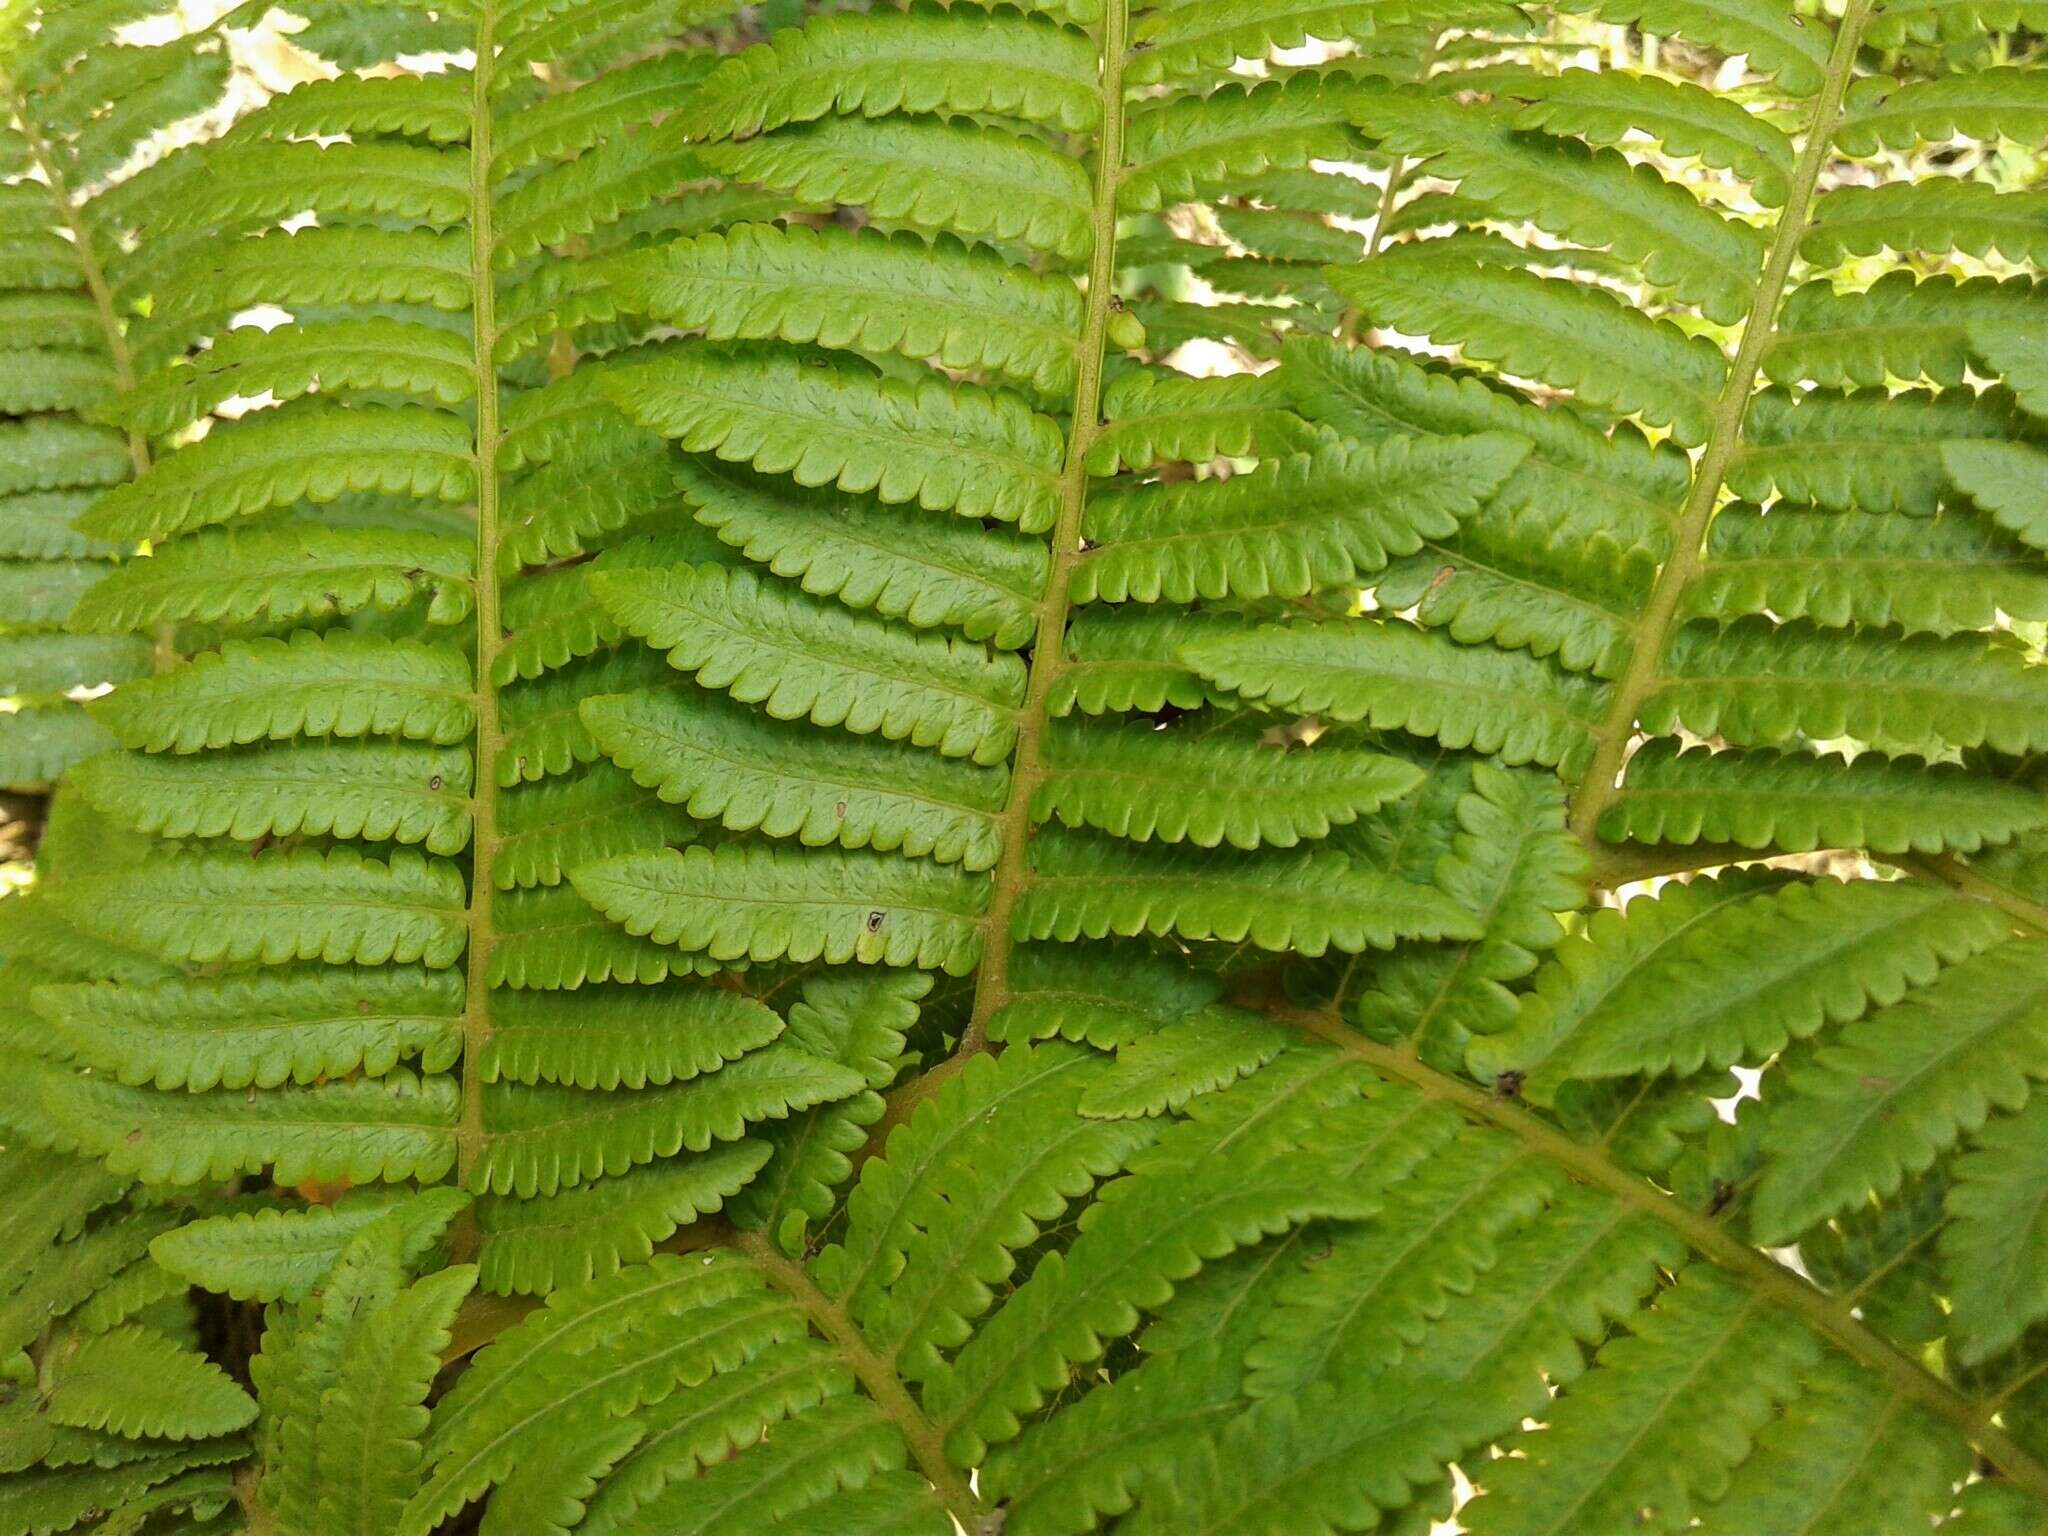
552	940
1156	417
1200	1054
545	830
255	183
1513	867
1933	217
1290	526
1567	334
1594	197
137	1383
1871	451
1899	327
1180	148
1687	120
1899	1088
1130	660
310	451
1578	487
379	793
1144	784
900	563
1774	42
2005	480
1738	973
1190	40
970	1182
1932	576
606	1037
687	1431
383	356
2020	353
287	572
303	904
1919	693
339	684
1796	802
274	1253
1099	995
544	736
973	181
1706	1342
1395	676
389	1128
741	902
860	1021
430	107
709	1310
587	1231
1310	902
961	450
1888	1465
861	291
1173	1212
600	109
1990	1243
233	1031
369	1452
725	763
881	63
544	1137
802	659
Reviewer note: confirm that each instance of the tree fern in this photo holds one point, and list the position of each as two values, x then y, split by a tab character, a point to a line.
794	878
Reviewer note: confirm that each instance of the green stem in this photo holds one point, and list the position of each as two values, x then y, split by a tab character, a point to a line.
476	1013
876	1375
1048	650
1596	789
1833	1318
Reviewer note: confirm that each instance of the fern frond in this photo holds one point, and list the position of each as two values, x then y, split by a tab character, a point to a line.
337	906
311	451
1795	801
958	449
280	573
741	902
1566	334
338	684
601	1038
233	1031
1311	903
900	563
1290	526
1394	676
860	291
882	62
546	1136
389	1128
1594	197
1892	1092
801	659
1919	692
1144	784
1932	217
962	179
372	791
133	1382
1724	994
725	763
1932	576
